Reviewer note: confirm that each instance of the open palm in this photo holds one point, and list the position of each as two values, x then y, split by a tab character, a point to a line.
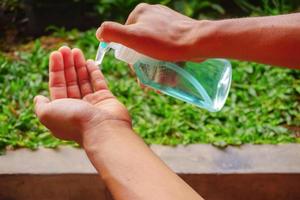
80	98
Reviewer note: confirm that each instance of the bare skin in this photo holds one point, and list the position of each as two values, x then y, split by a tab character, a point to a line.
162	33
82	109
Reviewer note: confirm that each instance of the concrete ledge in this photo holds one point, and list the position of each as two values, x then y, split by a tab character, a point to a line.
191	159
65	160
210	186
207	159
260	172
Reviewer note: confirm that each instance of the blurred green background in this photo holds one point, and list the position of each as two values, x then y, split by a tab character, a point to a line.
263	105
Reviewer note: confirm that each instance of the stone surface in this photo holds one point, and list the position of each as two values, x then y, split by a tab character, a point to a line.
52	187
210	186
202	159
191	159
245	186
65	160
252	172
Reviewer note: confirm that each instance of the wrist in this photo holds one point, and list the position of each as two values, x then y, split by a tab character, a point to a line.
203	39
226	38
103	131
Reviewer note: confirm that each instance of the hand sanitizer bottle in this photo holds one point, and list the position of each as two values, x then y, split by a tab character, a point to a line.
205	84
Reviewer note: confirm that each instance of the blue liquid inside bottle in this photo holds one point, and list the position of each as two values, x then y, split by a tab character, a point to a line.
204	84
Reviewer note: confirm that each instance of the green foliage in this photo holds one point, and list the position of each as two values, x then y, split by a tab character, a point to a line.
263	100
10	5
199	9
20	81
119	9
268	7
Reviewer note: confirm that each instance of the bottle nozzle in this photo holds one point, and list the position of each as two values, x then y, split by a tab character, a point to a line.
121	53
102	49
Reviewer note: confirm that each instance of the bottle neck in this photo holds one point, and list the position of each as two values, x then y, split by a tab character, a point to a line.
126	54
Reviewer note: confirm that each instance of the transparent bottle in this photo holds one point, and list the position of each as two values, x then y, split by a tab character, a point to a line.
205	84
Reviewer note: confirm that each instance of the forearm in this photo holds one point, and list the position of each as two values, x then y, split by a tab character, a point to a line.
272	40
130	169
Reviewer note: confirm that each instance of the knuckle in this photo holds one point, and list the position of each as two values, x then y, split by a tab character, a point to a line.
159	5
141	7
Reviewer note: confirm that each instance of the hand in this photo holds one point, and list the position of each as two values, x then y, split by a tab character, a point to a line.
80	99
156	31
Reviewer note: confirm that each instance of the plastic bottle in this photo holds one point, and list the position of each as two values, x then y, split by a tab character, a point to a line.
204	84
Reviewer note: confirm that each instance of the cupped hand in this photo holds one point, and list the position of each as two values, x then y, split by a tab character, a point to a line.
80	98
156	31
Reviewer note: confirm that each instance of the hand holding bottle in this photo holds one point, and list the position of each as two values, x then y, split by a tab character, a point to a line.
156	31
164	34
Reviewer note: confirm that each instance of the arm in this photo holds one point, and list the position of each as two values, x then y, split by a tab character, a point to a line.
84	110
162	33
129	168
272	40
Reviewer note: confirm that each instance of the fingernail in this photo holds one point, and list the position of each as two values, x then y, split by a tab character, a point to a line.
64	46
90	62
98	32
35	99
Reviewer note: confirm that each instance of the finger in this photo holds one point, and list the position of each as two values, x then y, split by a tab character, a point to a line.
132	36
115	32
131	69
40	103
132	18
57	82
70	73
96	76
98	96
82	73
137	11
140	84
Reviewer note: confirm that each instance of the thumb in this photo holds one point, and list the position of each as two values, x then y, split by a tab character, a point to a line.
40	103
115	32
